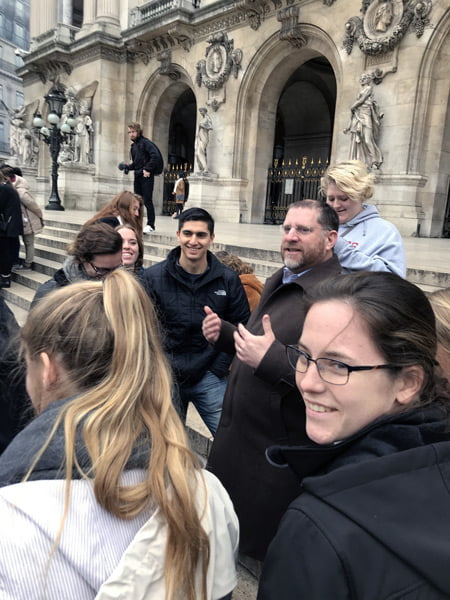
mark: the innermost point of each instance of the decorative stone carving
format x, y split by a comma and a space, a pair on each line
50, 70
364, 126
79, 147
137, 49
183, 35
384, 24
23, 142
145, 50
255, 11
202, 141
221, 60
167, 67
290, 27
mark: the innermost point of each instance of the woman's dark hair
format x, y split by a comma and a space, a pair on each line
398, 315
196, 214
98, 238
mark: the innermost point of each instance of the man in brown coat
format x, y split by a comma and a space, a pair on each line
262, 405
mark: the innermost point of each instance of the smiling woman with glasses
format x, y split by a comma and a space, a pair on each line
375, 479
95, 252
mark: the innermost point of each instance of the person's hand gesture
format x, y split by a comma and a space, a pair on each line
250, 349
211, 325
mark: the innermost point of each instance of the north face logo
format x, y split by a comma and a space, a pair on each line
220, 292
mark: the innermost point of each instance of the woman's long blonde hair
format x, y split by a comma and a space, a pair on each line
105, 335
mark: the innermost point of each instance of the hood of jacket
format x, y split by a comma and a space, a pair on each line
383, 479
368, 213
18, 457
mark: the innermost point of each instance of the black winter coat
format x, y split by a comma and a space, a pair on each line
373, 524
179, 301
144, 156
15, 407
263, 407
10, 212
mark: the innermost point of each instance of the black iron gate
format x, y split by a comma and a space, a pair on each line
171, 174
289, 181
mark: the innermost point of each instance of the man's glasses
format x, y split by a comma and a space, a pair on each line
299, 229
330, 371
101, 272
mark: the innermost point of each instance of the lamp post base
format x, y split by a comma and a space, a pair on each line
54, 206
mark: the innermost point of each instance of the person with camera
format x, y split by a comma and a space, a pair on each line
146, 163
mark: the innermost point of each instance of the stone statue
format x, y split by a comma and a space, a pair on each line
83, 130
23, 143
202, 140
364, 126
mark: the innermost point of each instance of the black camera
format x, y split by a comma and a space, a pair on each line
124, 167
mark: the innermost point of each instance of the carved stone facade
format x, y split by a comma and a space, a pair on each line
277, 78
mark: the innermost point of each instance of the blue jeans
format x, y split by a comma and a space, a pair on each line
207, 397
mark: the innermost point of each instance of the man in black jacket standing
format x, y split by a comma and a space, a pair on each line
146, 163
181, 286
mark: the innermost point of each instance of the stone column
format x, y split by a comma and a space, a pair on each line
89, 11
108, 11
43, 16
65, 9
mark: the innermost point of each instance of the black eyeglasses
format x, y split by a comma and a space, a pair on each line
101, 272
330, 370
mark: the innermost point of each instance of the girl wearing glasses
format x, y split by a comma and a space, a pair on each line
103, 483
373, 516
94, 253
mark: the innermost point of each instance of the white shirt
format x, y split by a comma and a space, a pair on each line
92, 542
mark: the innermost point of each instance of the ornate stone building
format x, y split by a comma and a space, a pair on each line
286, 84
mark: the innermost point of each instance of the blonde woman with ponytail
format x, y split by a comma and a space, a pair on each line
106, 465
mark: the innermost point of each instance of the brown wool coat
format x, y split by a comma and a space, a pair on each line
263, 407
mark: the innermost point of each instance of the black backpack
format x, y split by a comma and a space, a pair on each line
159, 166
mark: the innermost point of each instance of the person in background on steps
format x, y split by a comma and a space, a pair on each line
146, 163
252, 285
32, 217
94, 253
103, 483
179, 193
11, 227
125, 208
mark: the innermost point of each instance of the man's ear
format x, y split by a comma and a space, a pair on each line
332, 237
409, 384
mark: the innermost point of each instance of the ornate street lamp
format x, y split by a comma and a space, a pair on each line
53, 137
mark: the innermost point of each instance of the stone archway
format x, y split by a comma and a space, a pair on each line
266, 77
430, 136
